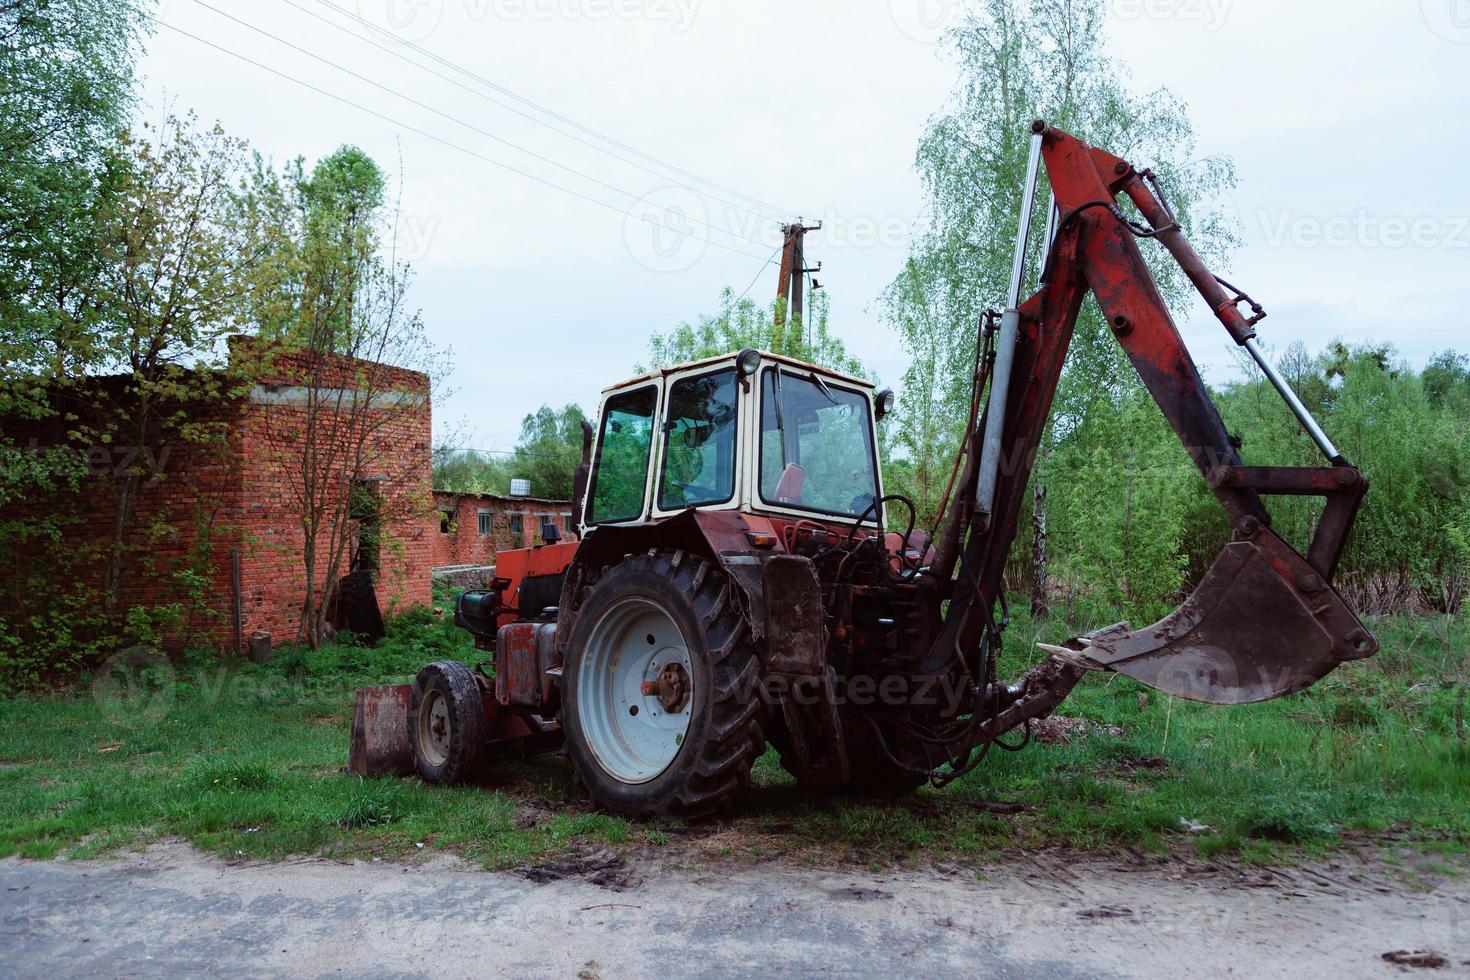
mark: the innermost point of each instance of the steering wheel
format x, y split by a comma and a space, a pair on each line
694, 490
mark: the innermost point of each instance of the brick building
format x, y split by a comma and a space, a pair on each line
217, 529
472, 527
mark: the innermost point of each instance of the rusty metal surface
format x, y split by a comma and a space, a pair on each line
672, 687
795, 633
525, 653
1341, 487
1262, 623
1265, 621
721, 536
379, 745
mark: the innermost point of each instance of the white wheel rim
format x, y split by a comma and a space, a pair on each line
631, 734
434, 725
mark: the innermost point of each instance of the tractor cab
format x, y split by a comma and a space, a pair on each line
752, 432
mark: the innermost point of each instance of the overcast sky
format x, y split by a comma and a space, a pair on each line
1347, 122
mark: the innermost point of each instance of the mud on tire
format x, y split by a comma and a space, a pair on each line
446, 724
713, 762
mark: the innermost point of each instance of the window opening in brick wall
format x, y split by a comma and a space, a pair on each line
366, 509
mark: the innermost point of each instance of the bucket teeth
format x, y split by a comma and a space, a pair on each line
1074, 651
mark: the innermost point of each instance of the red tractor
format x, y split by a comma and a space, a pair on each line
741, 578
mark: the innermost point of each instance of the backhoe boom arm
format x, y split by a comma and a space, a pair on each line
1264, 621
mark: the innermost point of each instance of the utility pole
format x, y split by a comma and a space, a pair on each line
794, 270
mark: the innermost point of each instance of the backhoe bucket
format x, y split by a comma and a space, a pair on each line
1262, 623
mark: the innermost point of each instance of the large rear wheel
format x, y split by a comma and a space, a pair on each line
661, 709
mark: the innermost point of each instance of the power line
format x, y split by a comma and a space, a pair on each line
454, 119
554, 114
388, 49
430, 136
758, 272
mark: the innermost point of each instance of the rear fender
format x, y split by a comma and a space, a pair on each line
726, 538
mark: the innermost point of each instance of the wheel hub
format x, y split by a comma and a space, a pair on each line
635, 690
434, 725
671, 687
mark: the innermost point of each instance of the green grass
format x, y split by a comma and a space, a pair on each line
246, 760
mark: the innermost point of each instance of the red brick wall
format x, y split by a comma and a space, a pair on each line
182, 514
463, 544
244, 493
387, 446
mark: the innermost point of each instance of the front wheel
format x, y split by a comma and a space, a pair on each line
661, 709
446, 724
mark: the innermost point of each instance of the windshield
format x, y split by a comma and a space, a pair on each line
620, 471
816, 445
699, 448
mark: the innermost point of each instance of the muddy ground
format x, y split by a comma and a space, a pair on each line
173, 910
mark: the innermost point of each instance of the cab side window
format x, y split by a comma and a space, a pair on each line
620, 472
699, 448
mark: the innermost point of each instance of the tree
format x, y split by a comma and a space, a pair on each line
333, 312
549, 450
462, 470
66, 69
1020, 59
172, 278
742, 323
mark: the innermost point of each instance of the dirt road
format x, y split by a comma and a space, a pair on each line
173, 910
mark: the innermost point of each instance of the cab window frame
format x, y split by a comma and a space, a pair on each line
655, 390
660, 485
771, 370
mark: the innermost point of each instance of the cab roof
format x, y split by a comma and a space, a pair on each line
782, 359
